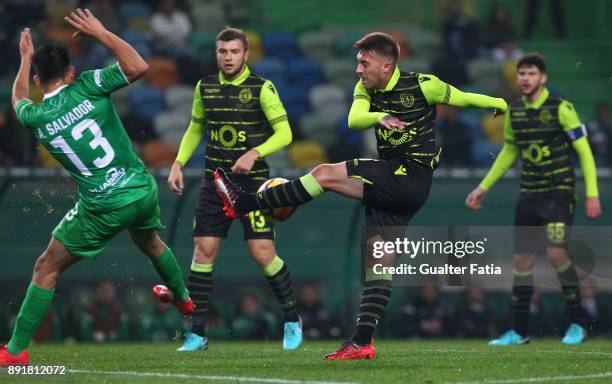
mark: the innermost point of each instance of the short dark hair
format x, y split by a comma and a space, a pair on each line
533, 59
51, 61
229, 34
381, 43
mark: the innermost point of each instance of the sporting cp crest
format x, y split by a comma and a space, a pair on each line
407, 99
245, 95
545, 116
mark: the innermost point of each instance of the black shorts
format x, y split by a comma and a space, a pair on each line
542, 217
210, 220
393, 191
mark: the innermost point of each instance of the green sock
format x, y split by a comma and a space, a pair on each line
34, 307
168, 269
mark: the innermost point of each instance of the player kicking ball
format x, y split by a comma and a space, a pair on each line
401, 107
77, 123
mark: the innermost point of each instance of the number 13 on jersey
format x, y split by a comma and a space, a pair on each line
97, 141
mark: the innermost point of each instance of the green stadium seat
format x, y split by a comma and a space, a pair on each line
423, 43
483, 68
121, 99
179, 98
415, 64
316, 45
208, 16
344, 43
341, 72
325, 95
278, 159
203, 41
320, 128
239, 12
171, 125
5, 94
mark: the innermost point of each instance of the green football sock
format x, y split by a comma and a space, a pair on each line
170, 272
34, 307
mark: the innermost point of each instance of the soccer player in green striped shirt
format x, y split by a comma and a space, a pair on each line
77, 123
242, 120
401, 107
541, 128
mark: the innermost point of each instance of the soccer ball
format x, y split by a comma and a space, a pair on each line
276, 214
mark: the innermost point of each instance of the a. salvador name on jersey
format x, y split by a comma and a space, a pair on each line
69, 118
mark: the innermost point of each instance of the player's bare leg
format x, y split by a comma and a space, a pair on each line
165, 264
334, 177
49, 266
570, 285
275, 269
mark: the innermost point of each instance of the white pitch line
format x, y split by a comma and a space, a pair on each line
580, 352
239, 379
538, 379
603, 353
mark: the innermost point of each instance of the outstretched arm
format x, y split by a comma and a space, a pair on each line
438, 92
132, 64
21, 87
475, 100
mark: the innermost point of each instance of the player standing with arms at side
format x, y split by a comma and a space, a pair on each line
244, 120
541, 128
401, 107
77, 123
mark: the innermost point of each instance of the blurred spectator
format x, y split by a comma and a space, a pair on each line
540, 319
106, 12
317, 321
598, 321
16, 142
555, 10
49, 328
461, 33
159, 322
252, 321
501, 36
600, 134
450, 70
424, 317
216, 326
170, 26
474, 319
456, 138
15, 14
107, 315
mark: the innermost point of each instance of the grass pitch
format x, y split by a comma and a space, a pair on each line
456, 361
